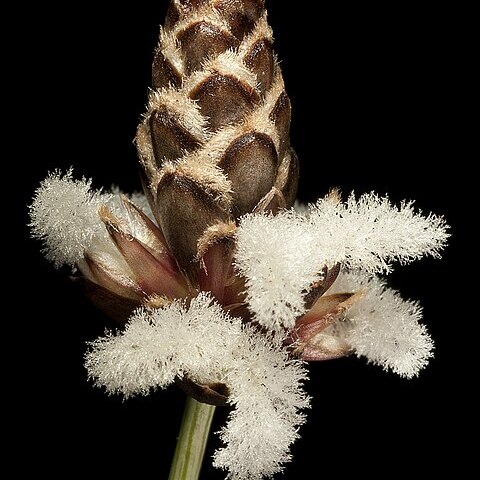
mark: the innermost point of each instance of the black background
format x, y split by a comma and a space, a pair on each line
376, 94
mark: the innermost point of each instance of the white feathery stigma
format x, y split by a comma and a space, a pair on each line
272, 254
370, 232
207, 345
264, 389
64, 217
382, 327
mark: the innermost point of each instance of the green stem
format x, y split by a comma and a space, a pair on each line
191, 442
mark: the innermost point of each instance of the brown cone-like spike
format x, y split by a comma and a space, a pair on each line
218, 104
